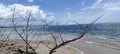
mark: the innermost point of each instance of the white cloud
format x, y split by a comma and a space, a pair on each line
112, 6
109, 5
21, 11
112, 10
97, 3
31, 1
79, 17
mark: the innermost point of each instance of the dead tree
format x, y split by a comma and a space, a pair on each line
81, 34
57, 46
4, 32
24, 35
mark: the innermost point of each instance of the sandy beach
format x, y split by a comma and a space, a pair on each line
96, 46
12, 46
82, 46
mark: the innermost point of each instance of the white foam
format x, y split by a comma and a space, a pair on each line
81, 52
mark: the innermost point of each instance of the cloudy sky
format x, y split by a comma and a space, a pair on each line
65, 11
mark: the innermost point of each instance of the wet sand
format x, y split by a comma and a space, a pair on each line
97, 46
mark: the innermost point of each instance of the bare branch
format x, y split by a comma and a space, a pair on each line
14, 25
74, 39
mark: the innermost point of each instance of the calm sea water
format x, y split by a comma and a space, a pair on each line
109, 31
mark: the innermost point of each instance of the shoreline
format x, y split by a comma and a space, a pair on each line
41, 49
89, 46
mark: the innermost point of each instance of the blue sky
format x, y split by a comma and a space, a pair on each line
66, 11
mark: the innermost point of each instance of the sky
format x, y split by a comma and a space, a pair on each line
61, 11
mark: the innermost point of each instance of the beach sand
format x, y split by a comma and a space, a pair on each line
82, 46
12, 46
96, 46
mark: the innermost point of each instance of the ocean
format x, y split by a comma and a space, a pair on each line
107, 31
